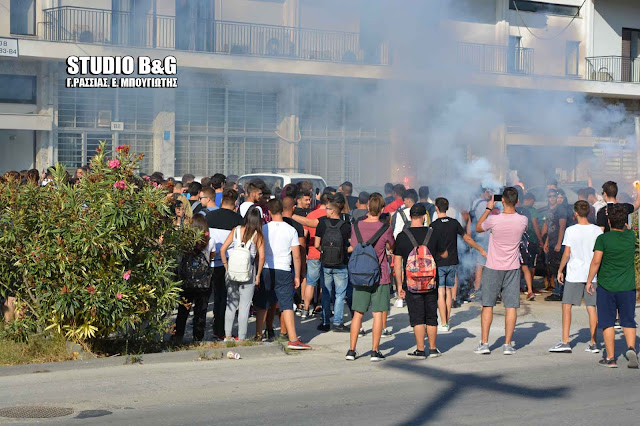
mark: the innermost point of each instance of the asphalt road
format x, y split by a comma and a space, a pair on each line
319, 387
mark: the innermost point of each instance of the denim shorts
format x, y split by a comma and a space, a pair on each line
276, 286
314, 272
610, 303
447, 276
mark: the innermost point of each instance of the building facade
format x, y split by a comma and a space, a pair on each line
290, 84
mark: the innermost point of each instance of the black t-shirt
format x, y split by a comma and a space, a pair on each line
448, 230
345, 230
223, 219
302, 212
404, 246
603, 220
298, 227
553, 217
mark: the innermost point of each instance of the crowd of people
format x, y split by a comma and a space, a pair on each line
298, 252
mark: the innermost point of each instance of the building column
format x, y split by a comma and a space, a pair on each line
588, 13
289, 129
498, 152
164, 132
45, 155
291, 13
502, 22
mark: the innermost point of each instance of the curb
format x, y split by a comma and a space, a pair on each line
246, 352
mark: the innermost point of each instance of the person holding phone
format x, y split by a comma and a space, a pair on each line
501, 274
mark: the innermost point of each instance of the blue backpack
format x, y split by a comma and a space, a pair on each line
364, 268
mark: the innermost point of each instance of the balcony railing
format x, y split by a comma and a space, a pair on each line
488, 58
99, 26
613, 68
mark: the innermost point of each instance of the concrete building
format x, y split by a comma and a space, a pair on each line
285, 84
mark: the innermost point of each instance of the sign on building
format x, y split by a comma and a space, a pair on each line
8, 47
117, 125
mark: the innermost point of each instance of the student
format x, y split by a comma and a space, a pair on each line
195, 273
448, 230
388, 193
610, 194
217, 182
579, 241
254, 195
478, 207
376, 296
398, 199
423, 192
347, 191
288, 205
303, 203
194, 197
613, 262
221, 221
208, 201
332, 239
535, 237
240, 294
501, 274
587, 194
278, 281
361, 207
422, 307
554, 227
400, 219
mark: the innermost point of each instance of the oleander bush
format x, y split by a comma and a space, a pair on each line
90, 261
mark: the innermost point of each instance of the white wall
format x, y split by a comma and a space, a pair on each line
610, 17
330, 15
16, 150
254, 11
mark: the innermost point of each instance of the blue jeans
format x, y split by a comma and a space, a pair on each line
338, 277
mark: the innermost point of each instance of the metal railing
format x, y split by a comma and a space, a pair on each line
613, 68
100, 26
488, 58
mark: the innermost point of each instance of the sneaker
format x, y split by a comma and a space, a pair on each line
611, 363
324, 327
298, 345
531, 296
553, 298
258, 338
417, 355
443, 328
351, 355
304, 313
536, 291
434, 353
284, 337
376, 356
230, 339
299, 312
561, 347
632, 357
482, 349
271, 334
341, 328
386, 333
617, 325
508, 349
593, 348
399, 303
362, 332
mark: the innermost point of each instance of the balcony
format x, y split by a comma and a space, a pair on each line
101, 26
613, 68
488, 58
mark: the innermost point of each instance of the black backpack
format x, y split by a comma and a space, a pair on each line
332, 245
195, 272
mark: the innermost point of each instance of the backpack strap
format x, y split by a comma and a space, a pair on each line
428, 237
411, 237
404, 217
357, 231
337, 225
374, 239
237, 238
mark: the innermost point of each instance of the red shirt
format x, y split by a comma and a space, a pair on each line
394, 205
314, 253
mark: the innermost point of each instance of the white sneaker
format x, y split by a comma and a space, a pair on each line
443, 328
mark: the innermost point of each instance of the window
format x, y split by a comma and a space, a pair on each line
23, 17
18, 89
538, 7
572, 58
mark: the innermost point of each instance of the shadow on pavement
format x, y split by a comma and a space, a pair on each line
460, 382
523, 336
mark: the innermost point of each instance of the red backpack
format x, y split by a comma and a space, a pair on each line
420, 269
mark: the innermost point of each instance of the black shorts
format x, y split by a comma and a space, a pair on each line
276, 286
529, 259
554, 258
423, 308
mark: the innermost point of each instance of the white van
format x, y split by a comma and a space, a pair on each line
277, 181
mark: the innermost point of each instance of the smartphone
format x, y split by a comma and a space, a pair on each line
497, 198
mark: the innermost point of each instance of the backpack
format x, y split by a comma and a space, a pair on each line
420, 269
364, 267
195, 272
240, 263
400, 212
332, 245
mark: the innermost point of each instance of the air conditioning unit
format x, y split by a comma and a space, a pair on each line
104, 118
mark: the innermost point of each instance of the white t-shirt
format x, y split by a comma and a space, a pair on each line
399, 222
279, 238
244, 207
581, 239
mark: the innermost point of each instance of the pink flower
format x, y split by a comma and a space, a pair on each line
114, 164
147, 178
120, 184
122, 149
126, 275
119, 296
155, 184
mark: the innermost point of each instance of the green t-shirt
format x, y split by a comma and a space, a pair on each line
617, 272
531, 213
